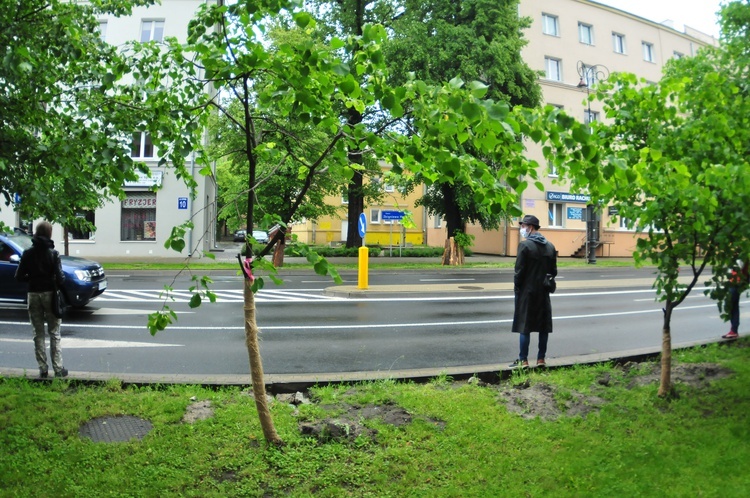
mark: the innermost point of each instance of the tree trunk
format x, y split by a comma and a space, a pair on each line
665, 384
256, 368
278, 253
452, 214
453, 254
355, 190
356, 205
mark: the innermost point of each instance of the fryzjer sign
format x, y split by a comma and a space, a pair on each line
568, 197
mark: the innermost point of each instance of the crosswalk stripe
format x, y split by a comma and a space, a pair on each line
225, 296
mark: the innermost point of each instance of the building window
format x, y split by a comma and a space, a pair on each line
388, 187
345, 197
152, 31
142, 146
678, 55
590, 116
555, 214
553, 68
552, 169
585, 33
624, 223
103, 30
648, 52
437, 222
375, 216
138, 219
79, 233
618, 43
550, 25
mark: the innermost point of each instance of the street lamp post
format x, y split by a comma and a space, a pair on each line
591, 74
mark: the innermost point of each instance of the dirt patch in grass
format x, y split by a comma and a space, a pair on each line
694, 375
547, 402
350, 424
198, 410
550, 403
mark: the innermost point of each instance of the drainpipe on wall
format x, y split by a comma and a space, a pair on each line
424, 218
191, 202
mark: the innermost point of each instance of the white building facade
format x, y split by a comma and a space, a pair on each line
138, 226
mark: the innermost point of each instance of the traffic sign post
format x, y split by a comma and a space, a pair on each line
363, 254
392, 216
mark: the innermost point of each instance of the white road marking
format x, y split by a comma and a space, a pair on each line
222, 296
78, 343
447, 279
176, 327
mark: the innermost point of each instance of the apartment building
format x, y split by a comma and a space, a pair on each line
575, 43
139, 225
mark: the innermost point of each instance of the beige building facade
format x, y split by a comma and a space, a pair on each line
575, 42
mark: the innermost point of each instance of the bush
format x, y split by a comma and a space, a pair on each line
330, 252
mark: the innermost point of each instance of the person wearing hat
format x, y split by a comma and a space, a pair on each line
536, 259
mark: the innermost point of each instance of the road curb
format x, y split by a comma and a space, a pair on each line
286, 383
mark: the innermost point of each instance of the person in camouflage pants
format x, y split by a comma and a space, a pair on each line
40, 266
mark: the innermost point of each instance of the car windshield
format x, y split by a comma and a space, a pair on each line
22, 241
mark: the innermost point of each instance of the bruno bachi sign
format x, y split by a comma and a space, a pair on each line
568, 197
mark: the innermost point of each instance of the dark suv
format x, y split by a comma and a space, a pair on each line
84, 279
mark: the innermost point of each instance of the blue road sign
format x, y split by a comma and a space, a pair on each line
362, 225
392, 215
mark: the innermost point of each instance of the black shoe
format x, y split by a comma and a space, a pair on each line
62, 373
519, 363
43, 373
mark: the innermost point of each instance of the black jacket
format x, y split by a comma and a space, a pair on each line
533, 311
40, 266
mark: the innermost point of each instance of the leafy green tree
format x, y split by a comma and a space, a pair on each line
66, 118
278, 183
673, 159
298, 86
353, 18
476, 40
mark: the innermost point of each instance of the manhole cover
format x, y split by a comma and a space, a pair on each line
470, 287
115, 429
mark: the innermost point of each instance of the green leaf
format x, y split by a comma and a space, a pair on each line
471, 110
302, 19
478, 89
195, 301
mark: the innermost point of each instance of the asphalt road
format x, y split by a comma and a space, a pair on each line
409, 321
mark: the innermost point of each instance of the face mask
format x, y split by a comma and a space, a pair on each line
524, 232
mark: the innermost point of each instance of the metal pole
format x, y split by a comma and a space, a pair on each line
591, 73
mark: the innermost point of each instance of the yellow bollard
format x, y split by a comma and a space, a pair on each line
363, 255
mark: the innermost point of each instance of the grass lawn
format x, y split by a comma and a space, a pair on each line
605, 433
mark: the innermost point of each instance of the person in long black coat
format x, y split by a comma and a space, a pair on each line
533, 311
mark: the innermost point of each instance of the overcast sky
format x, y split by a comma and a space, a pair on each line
698, 14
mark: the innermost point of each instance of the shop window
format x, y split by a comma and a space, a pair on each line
138, 219
81, 233
556, 214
